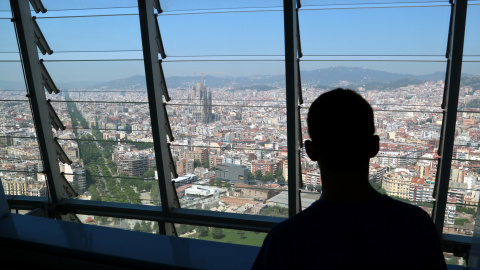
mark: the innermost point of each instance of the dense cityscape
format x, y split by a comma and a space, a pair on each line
230, 150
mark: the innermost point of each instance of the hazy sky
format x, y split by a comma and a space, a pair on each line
259, 35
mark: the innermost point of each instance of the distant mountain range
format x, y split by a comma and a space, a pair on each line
326, 77
323, 78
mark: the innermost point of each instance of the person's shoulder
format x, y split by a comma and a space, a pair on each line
302, 218
404, 208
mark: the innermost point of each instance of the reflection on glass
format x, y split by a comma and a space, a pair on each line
121, 223
221, 235
454, 260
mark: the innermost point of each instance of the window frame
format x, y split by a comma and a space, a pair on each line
58, 205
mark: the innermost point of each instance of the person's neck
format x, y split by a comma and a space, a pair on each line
347, 187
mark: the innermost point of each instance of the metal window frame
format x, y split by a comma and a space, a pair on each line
170, 212
159, 119
27, 32
292, 78
450, 105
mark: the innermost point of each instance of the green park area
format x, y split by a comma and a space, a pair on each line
222, 235
239, 237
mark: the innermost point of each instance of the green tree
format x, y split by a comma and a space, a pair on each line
150, 173
258, 174
274, 211
281, 179
278, 173
470, 211
211, 182
182, 229
310, 187
206, 165
251, 176
241, 234
76, 187
268, 177
378, 187
217, 233
318, 188
218, 183
202, 231
461, 221
197, 163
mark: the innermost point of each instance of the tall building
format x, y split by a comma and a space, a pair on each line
14, 187
200, 100
134, 165
185, 166
79, 176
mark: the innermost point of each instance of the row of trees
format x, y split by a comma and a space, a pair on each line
77, 119
268, 176
96, 153
140, 145
197, 163
219, 183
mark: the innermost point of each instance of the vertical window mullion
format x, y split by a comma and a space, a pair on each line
37, 79
452, 89
292, 96
156, 87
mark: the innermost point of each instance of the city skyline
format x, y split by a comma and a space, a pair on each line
192, 80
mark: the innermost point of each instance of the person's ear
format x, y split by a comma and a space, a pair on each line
311, 150
375, 146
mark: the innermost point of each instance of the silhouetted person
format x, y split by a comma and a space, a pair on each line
351, 226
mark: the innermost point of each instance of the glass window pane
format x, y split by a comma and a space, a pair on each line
74, 35
234, 159
193, 5
355, 3
472, 37
20, 162
463, 195
114, 151
407, 118
223, 33
375, 31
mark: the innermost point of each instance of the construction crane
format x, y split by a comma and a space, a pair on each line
203, 82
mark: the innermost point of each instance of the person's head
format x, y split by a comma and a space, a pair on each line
341, 127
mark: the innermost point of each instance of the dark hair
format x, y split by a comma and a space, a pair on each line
341, 124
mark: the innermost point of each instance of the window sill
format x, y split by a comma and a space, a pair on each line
95, 245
